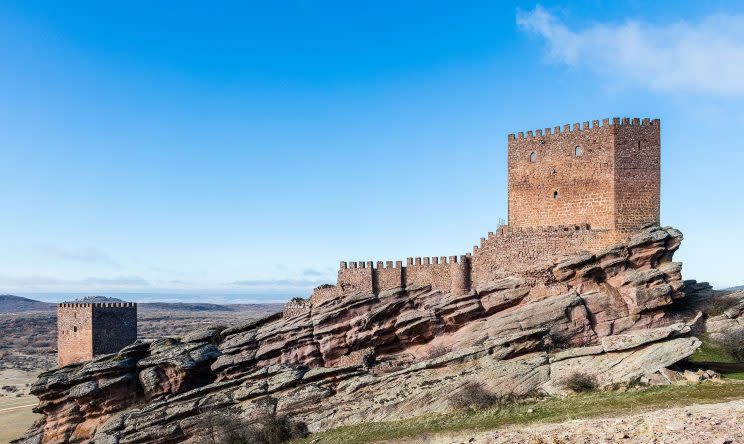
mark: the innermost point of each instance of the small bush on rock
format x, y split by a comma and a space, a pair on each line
554, 343
225, 428
475, 396
580, 382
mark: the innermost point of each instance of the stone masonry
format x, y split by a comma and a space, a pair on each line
580, 188
605, 175
86, 330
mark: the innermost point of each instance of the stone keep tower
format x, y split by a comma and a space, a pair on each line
604, 175
85, 330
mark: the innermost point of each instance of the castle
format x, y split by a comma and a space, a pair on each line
574, 189
88, 329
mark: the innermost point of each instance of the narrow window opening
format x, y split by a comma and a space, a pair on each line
533, 157
555, 195
578, 151
639, 144
74, 329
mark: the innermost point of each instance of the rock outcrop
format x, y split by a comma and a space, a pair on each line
366, 357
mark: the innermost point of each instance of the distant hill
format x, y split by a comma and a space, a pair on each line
269, 307
89, 299
14, 304
18, 304
737, 288
183, 306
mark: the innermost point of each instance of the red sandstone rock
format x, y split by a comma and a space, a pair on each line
396, 353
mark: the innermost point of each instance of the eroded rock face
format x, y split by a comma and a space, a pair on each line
365, 357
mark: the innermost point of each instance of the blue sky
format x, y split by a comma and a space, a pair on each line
240, 151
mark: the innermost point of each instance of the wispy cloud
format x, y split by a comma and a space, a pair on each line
89, 255
704, 57
33, 282
288, 284
315, 273
116, 281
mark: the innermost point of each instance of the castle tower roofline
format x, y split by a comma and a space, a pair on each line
583, 126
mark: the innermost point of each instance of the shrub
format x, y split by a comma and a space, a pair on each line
580, 382
475, 396
278, 429
732, 342
553, 343
226, 428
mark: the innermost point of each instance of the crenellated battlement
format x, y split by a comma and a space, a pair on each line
96, 304
583, 126
396, 265
369, 264
296, 307
443, 273
507, 231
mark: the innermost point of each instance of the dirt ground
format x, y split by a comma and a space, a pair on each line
695, 424
15, 403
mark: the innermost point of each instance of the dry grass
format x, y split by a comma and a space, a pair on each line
15, 411
585, 405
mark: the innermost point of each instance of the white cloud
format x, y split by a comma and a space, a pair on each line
35, 282
312, 272
704, 57
277, 284
88, 255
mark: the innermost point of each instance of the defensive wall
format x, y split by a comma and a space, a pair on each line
88, 329
519, 250
504, 252
296, 307
442, 273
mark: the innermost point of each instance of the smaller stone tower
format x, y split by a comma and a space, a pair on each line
87, 329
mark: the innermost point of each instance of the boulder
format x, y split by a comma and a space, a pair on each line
640, 337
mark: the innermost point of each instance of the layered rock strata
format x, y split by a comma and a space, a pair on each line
402, 352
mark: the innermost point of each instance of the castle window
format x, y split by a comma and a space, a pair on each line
555, 195
533, 157
578, 151
74, 329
